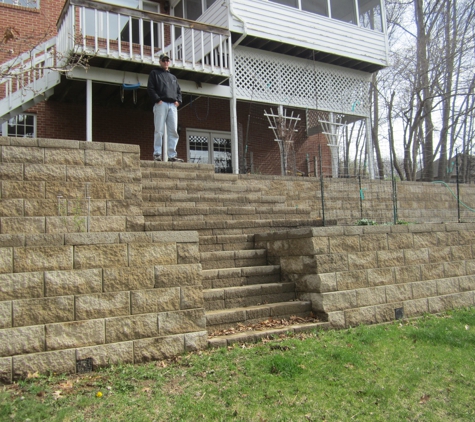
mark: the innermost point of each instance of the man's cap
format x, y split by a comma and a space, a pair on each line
164, 56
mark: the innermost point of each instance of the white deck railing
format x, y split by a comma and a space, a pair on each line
105, 30
27, 75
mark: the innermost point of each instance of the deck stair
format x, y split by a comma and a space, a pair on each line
240, 287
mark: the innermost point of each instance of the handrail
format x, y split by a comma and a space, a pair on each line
36, 55
99, 29
141, 14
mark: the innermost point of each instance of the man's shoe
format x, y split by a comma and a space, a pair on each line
175, 160
157, 158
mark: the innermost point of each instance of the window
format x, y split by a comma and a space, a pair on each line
33, 4
370, 14
320, 7
21, 126
191, 9
343, 10
291, 3
369, 11
210, 147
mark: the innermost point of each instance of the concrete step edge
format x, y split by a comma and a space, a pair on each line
255, 336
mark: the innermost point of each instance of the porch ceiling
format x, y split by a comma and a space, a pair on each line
73, 91
305, 53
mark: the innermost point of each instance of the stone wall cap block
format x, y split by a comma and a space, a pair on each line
23, 142
99, 146
135, 237
275, 235
420, 228
400, 228
91, 238
458, 227
109, 146
300, 233
353, 230
58, 143
328, 231
5, 140
376, 229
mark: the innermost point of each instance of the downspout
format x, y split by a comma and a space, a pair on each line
232, 85
244, 34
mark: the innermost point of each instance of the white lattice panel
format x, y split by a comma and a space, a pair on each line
278, 79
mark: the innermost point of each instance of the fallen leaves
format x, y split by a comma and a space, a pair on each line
424, 399
58, 394
264, 325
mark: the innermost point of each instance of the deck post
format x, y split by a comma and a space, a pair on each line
89, 110
233, 112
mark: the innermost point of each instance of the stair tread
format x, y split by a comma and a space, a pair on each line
255, 335
298, 302
250, 286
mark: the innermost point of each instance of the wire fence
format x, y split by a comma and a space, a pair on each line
359, 200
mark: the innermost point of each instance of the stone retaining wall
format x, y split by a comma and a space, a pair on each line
57, 186
366, 275
111, 297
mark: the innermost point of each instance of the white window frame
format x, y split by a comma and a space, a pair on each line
31, 4
210, 134
8, 123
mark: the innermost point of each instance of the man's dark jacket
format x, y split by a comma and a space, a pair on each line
163, 86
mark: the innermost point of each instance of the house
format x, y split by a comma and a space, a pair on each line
238, 62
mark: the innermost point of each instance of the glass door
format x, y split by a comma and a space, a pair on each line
210, 147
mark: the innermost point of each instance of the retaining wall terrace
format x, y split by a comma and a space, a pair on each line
366, 275
79, 278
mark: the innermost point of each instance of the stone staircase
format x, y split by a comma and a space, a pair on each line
240, 286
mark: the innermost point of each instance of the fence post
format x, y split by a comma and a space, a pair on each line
361, 197
394, 188
322, 190
458, 186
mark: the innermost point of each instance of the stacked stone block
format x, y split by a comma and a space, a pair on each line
362, 275
51, 186
112, 297
77, 285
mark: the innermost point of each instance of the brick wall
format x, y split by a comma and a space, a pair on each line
31, 26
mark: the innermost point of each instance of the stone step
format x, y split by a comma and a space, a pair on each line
193, 199
241, 226
226, 242
225, 318
255, 336
174, 184
233, 259
236, 212
233, 277
156, 166
250, 295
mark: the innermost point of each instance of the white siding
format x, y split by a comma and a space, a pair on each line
273, 21
217, 14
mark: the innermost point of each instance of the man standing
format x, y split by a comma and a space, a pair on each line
165, 93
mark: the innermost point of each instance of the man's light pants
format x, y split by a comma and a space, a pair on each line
165, 115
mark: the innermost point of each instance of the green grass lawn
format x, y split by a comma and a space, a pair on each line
419, 370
